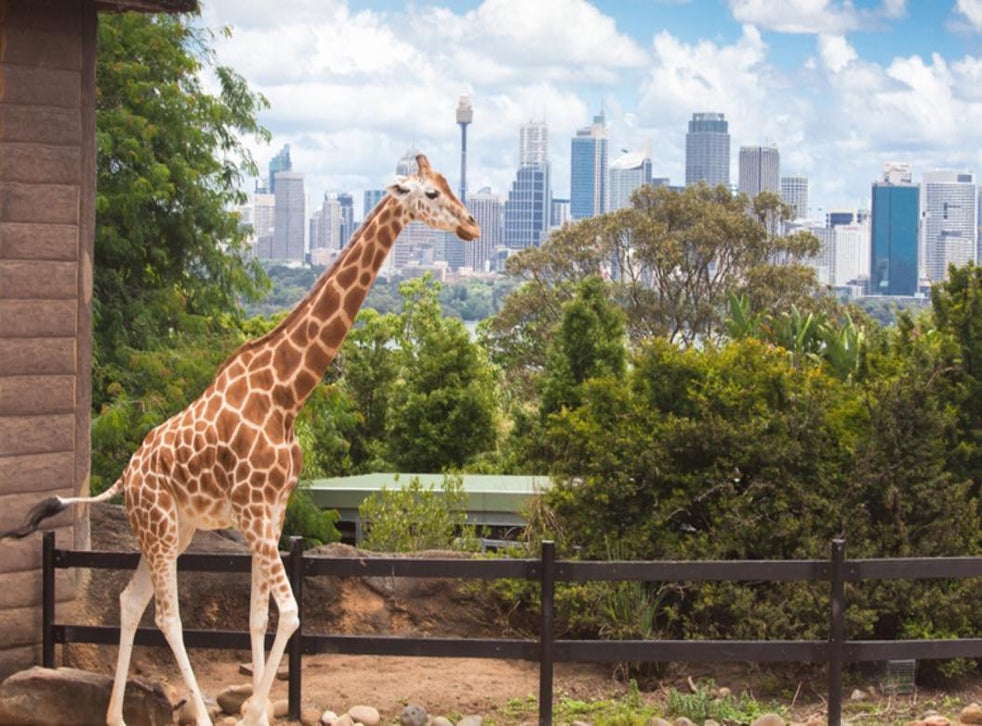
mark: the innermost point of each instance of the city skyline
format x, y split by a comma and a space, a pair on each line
839, 87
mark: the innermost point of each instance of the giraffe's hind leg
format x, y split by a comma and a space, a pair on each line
132, 602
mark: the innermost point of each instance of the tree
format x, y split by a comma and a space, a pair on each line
170, 159
443, 408
673, 258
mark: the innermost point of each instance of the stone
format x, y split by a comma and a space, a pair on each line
972, 713
268, 710
937, 720
344, 720
658, 721
69, 695
470, 721
365, 715
683, 721
281, 707
186, 714
857, 695
441, 721
232, 698
768, 719
724, 692
413, 715
710, 722
310, 716
328, 717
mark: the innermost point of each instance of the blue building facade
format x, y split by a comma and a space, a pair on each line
527, 208
894, 239
588, 170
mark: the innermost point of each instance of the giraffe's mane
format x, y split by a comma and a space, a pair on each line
300, 307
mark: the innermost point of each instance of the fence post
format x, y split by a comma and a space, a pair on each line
48, 599
546, 632
837, 630
295, 646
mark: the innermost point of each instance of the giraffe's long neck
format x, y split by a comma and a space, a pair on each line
308, 339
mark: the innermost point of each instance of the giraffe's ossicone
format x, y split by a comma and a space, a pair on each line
230, 459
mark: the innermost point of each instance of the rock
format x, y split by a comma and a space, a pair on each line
937, 721
344, 720
186, 714
232, 698
72, 696
470, 721
310, 716
248, 703
281, 708
441, 721
658, 721
365, 715
683, 721
710, 722
972, 713
768, 719
328, 718
857, 695
413, 715
724, 692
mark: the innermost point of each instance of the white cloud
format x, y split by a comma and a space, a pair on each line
797, 16
835, 52
972, 12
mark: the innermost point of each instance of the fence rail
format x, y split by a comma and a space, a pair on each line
835, 652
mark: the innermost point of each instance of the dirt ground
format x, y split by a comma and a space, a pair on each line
502, 691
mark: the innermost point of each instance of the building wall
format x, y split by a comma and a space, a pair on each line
47, 208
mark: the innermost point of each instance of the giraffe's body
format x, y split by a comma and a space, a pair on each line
230, 459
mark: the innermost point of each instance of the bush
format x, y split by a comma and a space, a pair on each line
413, 518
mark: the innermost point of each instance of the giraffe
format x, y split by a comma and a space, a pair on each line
230, 459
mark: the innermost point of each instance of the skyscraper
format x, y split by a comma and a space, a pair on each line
280, 162
465, 115
347, 203
627, 173
894, 234
760, 170
950, 214
488, 210
288, 217
529, 202
707, 150
533, 143
588, 170
794, 193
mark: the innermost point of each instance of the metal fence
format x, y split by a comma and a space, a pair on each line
835, 652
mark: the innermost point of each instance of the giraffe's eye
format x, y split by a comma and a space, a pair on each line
432, 193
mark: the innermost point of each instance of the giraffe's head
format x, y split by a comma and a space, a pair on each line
427, 197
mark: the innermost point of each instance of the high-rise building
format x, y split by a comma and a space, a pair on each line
760, 170
950, 221
347, 203
280, 162
627, 173
794, 193
588, 170
528, 207
371, 199
707, 150
851, 259
489, 211
325, 225
894, 233
288, 217
533, 143
465, 115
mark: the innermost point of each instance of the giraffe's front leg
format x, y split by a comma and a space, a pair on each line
258, 620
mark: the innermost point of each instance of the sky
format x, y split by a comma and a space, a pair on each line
838, 86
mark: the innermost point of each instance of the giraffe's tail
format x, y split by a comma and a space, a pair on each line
54, 505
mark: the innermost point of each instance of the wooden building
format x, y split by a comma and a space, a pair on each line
47, 224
